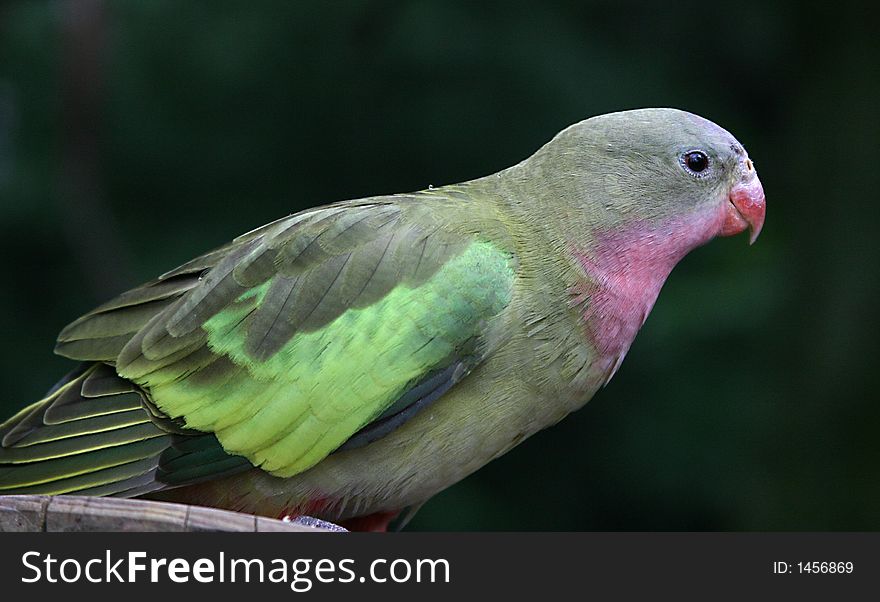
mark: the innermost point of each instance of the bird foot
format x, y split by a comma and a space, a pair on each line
312, 522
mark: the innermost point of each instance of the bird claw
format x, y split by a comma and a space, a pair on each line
312, 522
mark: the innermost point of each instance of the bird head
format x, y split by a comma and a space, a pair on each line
655, 171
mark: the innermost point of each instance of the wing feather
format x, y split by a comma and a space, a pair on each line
332, 325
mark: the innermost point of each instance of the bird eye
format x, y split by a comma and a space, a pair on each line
695, 161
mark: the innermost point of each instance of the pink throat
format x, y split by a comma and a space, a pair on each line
625, 270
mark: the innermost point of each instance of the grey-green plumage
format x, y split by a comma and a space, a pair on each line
354, 359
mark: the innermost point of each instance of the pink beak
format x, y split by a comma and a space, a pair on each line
746, 208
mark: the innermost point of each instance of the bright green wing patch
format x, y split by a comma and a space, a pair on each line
287, 412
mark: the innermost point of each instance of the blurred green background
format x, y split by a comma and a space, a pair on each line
135, 135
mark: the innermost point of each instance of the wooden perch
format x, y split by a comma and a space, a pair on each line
81, 513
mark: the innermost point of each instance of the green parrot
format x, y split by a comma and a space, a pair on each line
350, 361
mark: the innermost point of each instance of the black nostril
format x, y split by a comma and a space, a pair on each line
749, 165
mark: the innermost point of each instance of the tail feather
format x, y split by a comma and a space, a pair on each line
91, 431
97, 433
112, 477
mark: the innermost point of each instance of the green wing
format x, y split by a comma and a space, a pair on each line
323, 330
